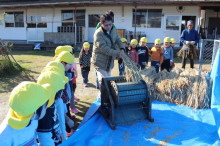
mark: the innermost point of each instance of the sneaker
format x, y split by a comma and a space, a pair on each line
74, 110
85, 85
76, 98
68, 134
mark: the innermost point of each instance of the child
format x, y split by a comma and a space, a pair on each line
66, 58
172, 44
167, 55
156, 55
133, 51
84, 61
47, 133
121, 65
143, 53
28, 104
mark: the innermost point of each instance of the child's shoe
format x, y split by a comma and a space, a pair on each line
76, 98
74, 110
68, 134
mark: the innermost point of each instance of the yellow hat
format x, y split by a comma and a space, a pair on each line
24, 100
173, 40
124, 40
143, 39
86, 45
166, 39
55, 80
56, 64
60, 49
58, 70
65, 57
157, 41
134, 41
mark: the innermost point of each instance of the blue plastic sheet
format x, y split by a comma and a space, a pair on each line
173, 125
215, 101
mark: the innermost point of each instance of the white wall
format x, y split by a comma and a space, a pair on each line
12, 33
121, 22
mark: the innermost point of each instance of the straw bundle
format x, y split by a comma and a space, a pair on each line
131, 71
183, 87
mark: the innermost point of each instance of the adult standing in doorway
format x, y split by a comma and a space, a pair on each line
189, 37
104, 47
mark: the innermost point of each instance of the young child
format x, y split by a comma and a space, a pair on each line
84, 61
172, 44
167, 55
28, 104
133, 51
73, 86
143, 53
66, 58
121, 65
46, 126
156, 54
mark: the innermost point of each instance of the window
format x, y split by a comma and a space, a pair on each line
37, 22
67, 17
140, 18
154, 18
14, 19
80, 17
147, 17
94, 19
172, 22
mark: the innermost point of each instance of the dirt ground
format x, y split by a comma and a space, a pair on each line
86, 94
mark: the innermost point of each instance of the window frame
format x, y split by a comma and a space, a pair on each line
14, 22
94, 25
36, 22
146, 18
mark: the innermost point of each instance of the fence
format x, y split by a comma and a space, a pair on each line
208, 49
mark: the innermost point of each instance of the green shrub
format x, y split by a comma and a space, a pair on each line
8, 68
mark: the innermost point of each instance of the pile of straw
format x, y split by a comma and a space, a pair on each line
182, 87
131, 70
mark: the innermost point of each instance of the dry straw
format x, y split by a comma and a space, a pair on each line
182, 87
131, 70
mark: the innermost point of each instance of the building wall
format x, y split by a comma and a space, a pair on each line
122, 21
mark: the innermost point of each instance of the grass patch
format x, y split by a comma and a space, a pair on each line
8, 68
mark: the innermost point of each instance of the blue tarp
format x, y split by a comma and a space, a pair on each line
173, 124
215, 101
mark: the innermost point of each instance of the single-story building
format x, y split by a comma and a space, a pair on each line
57, 21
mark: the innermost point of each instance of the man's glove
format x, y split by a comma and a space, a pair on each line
187, 42
192, 42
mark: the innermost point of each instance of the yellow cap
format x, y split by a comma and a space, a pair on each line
60, 49
65, 57
86, 45
56, 64
166, 39
157, 41
134, 41
55, 80
143, 39
173, 40
24, 100
124, 40
58, 70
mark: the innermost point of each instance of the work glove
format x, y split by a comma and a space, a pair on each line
192, 42
187, 42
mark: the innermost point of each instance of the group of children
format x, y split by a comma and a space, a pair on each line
161, 56
44, 110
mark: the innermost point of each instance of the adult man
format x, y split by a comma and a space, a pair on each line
104, 47
189, 37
